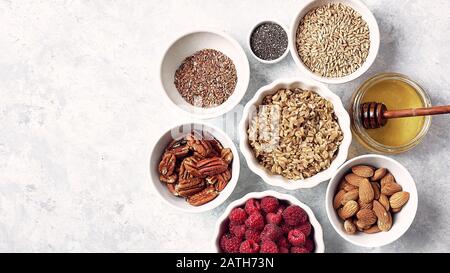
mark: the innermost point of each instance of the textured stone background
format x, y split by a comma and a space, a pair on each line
80, 108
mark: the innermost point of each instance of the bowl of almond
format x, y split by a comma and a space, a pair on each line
371, 200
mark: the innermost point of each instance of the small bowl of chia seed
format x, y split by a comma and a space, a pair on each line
269, 42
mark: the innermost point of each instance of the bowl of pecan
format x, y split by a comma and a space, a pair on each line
268, 222
295, 133
204, 73
194, 167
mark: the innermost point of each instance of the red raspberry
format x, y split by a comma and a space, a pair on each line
238, 216
273, 218
238, 230
283, 242
249, 246
296, 237
285, 228
255, 221
294, 215
298, 249
309, 245
268, 247
253, 235
271, 232
283, 250
305, 228
252, 206
280, 210
269, 204
230, 243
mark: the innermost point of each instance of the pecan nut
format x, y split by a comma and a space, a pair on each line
188, 167
181, 151
169, 179
172, 190
178, 147
223, 180
200, 147
183, 173
211, 166
227, 155
203, 197
188, 187
212, 180
167, 164
216, 147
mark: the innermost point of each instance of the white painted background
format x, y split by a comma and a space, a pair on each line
80, 107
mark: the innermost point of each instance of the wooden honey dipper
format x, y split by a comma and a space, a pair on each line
375, 115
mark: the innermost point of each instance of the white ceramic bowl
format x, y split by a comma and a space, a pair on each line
402, 219
278, 180
250, 47
161, 188
367, 15
188, 44
221, 223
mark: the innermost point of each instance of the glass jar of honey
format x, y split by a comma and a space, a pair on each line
396, 91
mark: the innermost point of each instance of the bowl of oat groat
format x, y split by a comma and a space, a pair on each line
295, 133
334, 41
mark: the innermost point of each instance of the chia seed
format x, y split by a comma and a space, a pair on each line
206, 79
268, 41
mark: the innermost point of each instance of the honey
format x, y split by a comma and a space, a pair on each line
395, 94
396, 91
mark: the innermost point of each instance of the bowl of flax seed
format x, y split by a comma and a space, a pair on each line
204, 73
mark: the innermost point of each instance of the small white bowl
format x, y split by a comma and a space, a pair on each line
158, 150
366, 14
250, 46
221, 223
188, 44
278, 180
402, 219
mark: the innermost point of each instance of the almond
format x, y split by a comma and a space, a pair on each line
353, 179
363, 171
385, 225
384, 217
396, 210
355, 222
367, 217
384, 201
351, 195
388, 178
366, 193
349, 227
399, 199
348, 210
376, 190
337, 202
379, 173
361, 225
349, 187
363, 205
390, 188
373, 229
342, 184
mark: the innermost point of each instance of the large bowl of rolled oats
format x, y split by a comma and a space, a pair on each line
295, 133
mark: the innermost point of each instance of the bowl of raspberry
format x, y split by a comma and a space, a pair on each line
268, 222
